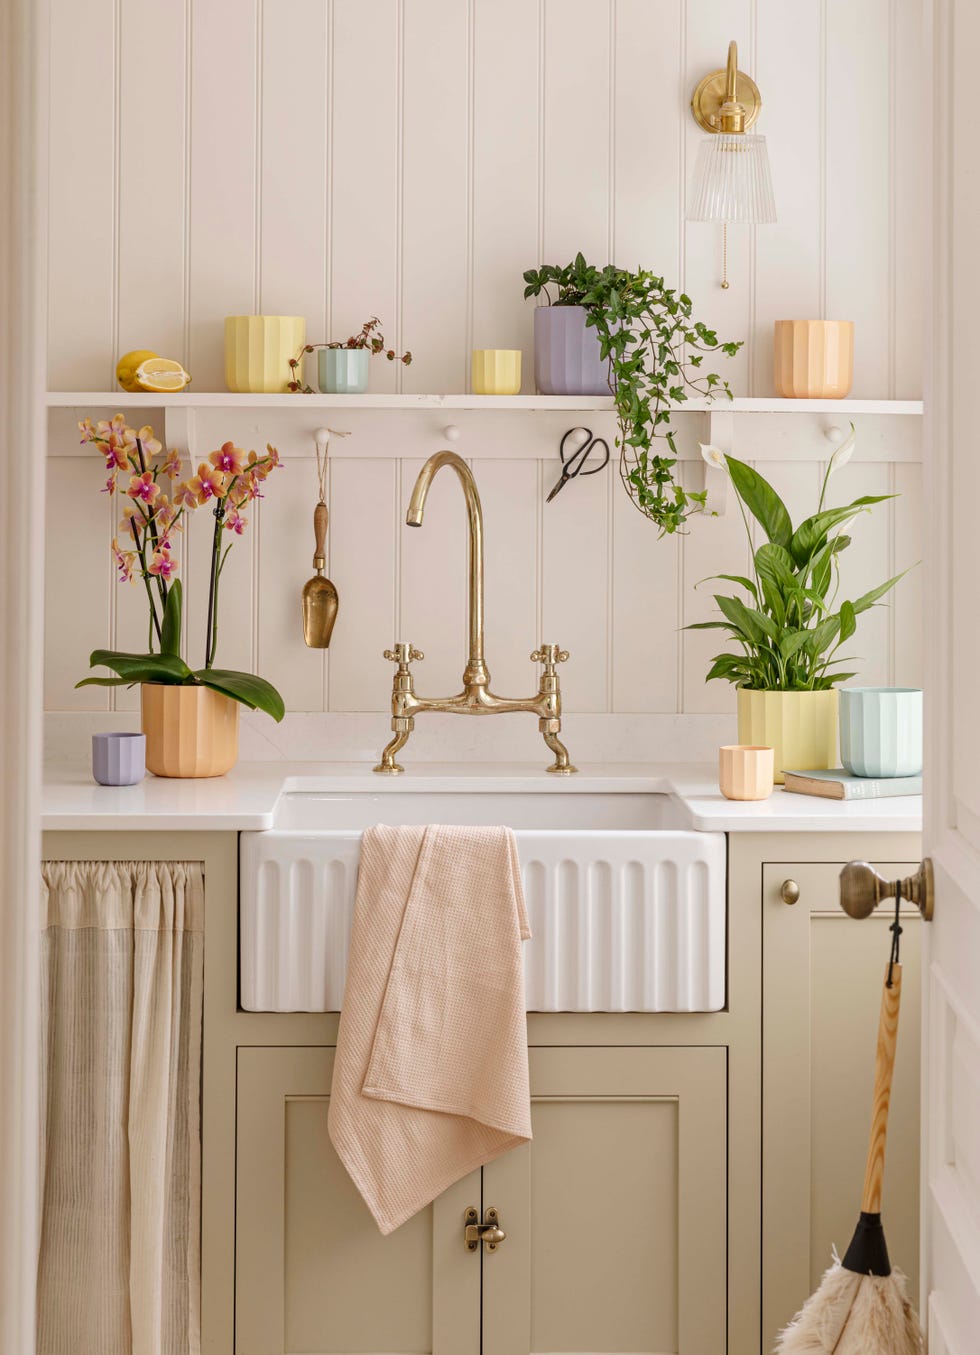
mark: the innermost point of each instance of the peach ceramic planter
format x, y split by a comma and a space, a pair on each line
745, 771
258, 349
814, 359
800, 726
496, 371
190, 731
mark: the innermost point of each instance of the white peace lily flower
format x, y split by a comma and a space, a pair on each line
713, 455
843, 453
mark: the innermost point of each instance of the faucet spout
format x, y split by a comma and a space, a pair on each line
476, 674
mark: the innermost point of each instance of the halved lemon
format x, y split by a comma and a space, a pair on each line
127, 365
161, 374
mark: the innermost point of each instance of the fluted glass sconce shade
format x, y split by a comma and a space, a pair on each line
732, 183
732, 180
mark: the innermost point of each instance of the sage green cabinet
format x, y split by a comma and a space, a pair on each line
615, 1218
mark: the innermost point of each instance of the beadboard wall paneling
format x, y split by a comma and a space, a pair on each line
586, 570
337, 159
409, 158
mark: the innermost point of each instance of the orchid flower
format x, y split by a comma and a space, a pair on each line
110, 484
163, 565
151, 445
166, 514
127, 523
207, 484
142, 488
125, 562
234, 522
184, 496
171, 466
228, 459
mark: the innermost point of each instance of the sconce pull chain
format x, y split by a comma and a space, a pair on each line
724, 256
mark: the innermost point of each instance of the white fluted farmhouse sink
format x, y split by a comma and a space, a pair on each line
627, 907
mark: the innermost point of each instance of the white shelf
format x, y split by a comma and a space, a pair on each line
227, 400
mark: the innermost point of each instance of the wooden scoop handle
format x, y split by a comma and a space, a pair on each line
884, 1067
320, 532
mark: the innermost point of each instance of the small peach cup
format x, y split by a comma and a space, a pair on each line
745, 771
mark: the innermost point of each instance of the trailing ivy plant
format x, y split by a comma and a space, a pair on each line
655, 350
789, 626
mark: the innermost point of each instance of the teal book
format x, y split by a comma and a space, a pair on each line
836, 784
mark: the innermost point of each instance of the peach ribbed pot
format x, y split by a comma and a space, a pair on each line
800, 726
745, 771
190, 731
813, 359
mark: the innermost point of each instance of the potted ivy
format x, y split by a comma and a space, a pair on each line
344, 365
643, 338
189, 716
787, 623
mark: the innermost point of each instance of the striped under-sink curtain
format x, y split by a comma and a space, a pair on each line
119, 1261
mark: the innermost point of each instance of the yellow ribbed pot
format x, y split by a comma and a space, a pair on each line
496, 371
258, 349
800, 726
190, 731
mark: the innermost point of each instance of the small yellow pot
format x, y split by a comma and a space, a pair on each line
258, 349
190, 731
813, 359
801, 728
496, 371
745, 772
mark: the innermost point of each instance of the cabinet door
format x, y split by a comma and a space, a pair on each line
616, 1213
312, 1271
822, 977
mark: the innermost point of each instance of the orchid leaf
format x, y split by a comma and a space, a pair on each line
246, 688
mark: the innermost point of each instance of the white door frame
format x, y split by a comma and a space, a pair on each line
23, 176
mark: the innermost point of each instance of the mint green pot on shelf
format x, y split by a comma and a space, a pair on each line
343, 371
881, 731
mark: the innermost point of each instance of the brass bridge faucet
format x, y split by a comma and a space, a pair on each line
476, 697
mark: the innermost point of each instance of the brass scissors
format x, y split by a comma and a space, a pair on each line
574, 459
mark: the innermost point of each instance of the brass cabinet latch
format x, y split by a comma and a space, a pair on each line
489, 1232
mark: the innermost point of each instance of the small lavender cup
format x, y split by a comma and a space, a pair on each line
118, 759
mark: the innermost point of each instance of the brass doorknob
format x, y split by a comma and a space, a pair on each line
790, 892
862, 889
488, 1232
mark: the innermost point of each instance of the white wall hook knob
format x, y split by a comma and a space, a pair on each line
322, 437
833, 433
451, 432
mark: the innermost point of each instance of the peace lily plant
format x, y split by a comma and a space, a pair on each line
157, 504
788, 623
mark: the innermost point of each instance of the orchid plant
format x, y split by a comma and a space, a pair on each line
157, 504
789, 626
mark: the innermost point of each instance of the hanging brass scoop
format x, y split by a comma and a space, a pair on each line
320, 599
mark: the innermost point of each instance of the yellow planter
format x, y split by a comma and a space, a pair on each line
258, 349
496, 371
813, 359
190, 731
800, 726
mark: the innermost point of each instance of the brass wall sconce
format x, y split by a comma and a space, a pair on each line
732, 182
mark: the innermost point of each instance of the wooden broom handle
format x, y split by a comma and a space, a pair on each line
874, 1171
320, 533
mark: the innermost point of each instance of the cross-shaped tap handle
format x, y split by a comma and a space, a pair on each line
403, 654
549, 655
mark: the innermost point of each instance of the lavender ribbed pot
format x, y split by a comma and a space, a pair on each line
881, 731
566, 353
118, 759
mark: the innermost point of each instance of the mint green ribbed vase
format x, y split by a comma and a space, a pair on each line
881, 731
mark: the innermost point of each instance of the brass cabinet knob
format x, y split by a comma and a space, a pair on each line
789, 892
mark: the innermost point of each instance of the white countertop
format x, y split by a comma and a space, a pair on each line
246, 798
